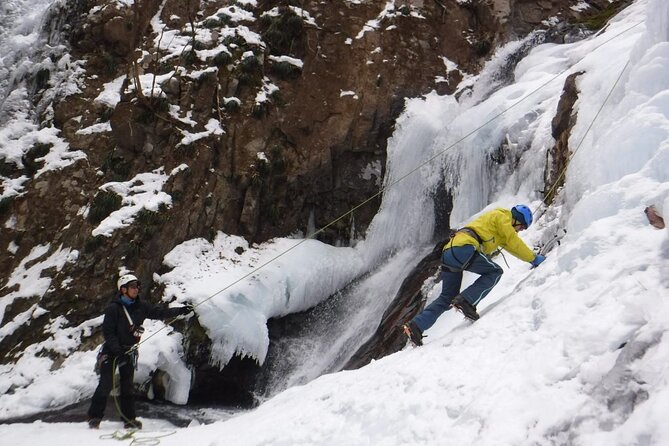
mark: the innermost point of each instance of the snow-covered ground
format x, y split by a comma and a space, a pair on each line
571, 353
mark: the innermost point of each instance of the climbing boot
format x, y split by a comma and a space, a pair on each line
132, 424
467, 309
414, 334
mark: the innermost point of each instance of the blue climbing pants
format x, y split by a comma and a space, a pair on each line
458, 259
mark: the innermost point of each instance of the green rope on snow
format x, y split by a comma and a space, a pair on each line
149, 440
117, 435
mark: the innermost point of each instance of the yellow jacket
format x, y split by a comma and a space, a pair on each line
495, 230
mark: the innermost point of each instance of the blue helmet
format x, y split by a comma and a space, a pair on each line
522, 214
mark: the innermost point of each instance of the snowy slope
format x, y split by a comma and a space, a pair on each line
572, 353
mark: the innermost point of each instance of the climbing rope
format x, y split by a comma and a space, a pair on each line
150, 440
414, 170
115, 386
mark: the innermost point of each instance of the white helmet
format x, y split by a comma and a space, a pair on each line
126, 279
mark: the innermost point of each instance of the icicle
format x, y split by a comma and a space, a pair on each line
311, 225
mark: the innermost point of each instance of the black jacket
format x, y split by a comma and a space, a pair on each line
116, 328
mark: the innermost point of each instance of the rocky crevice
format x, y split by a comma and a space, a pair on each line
557, 157
408, 302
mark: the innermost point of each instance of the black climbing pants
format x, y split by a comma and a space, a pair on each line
127, 402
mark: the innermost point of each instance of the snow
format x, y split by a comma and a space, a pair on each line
31, 385
291, 60
13, 247
234, 311
172, 43
95, 128
304, 14
11, 222
449, 64
235, 14
232, 99
143, 192
212, 128
580, 6
150, 84
388, 11
245, 33
13, 187
28, 280
372, 170
111, 93
267, 89
551, 21
163, 350
573, 352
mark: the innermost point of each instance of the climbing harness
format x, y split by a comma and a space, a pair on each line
472, 233
466, 263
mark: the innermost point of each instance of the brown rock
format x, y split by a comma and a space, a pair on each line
119, 33
561, 127
126, 129
654, 218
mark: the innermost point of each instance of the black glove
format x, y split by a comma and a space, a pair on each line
186, 309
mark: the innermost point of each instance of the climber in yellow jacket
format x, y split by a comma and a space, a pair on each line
469, 250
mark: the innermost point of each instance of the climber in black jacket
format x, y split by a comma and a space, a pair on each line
122, 330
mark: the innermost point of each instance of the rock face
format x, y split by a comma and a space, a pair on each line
561, 126
280, 110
